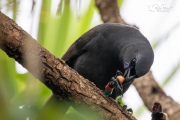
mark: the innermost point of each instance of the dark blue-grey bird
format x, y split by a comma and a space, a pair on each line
106, 48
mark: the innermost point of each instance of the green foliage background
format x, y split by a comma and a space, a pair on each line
21, 95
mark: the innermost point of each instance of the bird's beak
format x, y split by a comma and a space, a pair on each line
128, 77
122, 87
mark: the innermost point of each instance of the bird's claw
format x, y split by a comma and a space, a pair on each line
124, 107
118, 73
129, 109
118, 86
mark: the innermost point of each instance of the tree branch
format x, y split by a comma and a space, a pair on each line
150, 92
109, 11
147, 87
65, 82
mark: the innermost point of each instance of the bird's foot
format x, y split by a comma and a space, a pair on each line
129, 109
119, 101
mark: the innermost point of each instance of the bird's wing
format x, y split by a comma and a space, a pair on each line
76, 48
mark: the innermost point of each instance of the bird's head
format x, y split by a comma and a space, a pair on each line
136, 61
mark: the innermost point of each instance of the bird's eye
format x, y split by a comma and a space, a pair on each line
126, 65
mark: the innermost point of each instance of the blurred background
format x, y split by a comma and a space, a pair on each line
56, 24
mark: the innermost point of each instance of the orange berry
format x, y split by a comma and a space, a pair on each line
120, 78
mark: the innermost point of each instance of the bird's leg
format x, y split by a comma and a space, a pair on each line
110, 86
119, 80
120, 86
118, 73
116, 82
129, 109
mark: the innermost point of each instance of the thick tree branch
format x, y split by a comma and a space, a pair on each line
150, 92
65, 82
109, 11
147, 87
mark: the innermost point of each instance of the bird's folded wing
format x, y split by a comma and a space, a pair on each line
76, 48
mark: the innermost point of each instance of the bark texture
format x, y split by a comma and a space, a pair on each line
109, 11
147, 87
65, 82
150, 92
